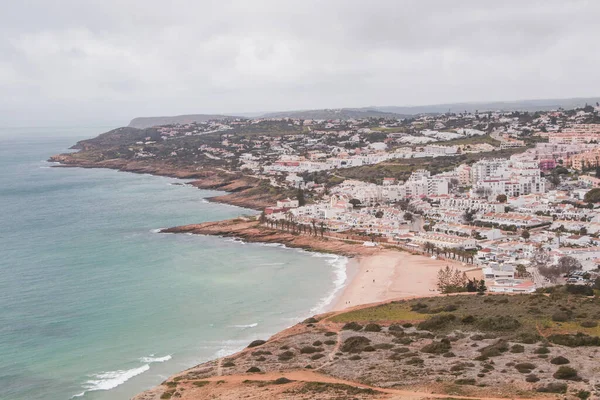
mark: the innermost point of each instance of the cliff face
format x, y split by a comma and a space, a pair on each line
244, 191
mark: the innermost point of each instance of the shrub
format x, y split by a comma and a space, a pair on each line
352, 326
407, 325
395, 328
465, 381
450, 308
419, 307
436, 322
499, 323
541, 350
253, 369
532, 378
329, 342
560, 360
317, 343
355, 344
317, 356
282, 381
310, 320
401, 350
560, 316
372, 328
284, 347
469, 319
228, 364
261, 353
330, 333
310, 350
525, 367
494, 350
402, 340
566, 373
383, 346
517, 348
355, 358
436, 347
449, 354
577, 340
257, 343
553, 387
580, 289
415, 361
589, 324
261, 359
583, 394
528, 338
286, 356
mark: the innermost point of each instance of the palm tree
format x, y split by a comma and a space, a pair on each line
322, 226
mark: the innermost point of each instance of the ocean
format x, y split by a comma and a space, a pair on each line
95, 304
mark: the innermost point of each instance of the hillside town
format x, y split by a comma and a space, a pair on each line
508, 192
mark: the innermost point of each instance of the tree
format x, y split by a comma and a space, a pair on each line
263, 217
521, 270
355, 202
593, 196
408, 216
501, 198
451, 280
568, 264
481, 288
379, 214
468, 216
300, 197
525, 234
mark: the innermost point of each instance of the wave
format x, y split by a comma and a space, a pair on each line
156, 230
111, 379
205, 201
339, 265
235, 240
254, 325
271, 264
152, 359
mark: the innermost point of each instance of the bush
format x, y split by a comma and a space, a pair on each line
449, 354
261, 353
465, 381
577, 340
580, 289
436, 322
372, 328
317, 343
528, 338
395, 328
560, 316
282, 381
583, 394
352, 326
493, 350
407, 325
317, 356
525, 368
566, 373
589, 324
517, 348
469, 319
532, 378
553, 387
436, 347
253, 369
355, 358
261, 359
257, 343
415, 361
499, 323
355, 344
286, 356
228, 364
310, 350
541, 350
310, 320
330, 334
383, 346
329, 342
560, 360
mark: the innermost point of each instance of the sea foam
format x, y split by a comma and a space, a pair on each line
111, 379
339, 265
152, 359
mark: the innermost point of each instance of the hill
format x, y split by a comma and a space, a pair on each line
148, 122
338, 113
518, 105
494, 346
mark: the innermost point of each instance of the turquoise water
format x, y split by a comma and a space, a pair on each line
94, 303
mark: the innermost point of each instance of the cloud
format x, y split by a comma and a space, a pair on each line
70, 60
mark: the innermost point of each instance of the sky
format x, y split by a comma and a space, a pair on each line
68, 62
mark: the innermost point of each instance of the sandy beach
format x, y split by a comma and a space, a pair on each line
390, 274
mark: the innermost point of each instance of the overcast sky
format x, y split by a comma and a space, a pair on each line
84, 61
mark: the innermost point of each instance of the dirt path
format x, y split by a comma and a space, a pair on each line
312, 376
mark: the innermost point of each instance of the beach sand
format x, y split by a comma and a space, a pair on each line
389, 275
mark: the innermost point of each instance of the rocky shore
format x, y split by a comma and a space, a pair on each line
251, 231
243, 191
